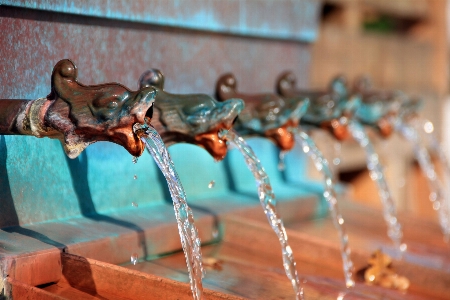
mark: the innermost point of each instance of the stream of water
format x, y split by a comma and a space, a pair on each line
377, 174
268, 202
321, 164
438, 195
185, 219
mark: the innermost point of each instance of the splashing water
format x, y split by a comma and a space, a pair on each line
438, 149
310, 149
377, 174
134, 204
211, 184
188, 232
267, 199
135, 159
134, 258
438, 193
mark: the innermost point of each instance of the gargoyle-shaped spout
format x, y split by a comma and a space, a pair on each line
378, 106
266, 114
329, 109
79, 115
190, 118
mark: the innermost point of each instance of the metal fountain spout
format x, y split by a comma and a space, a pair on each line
190, 118
379, 106
79, 115
330, 109
266, 115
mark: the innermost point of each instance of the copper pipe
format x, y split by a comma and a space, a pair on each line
79, 115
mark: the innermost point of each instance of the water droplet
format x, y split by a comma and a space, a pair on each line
403, 247
134, 258
336, 161
135, 159
305, 149
337, 146
211, 184
428, 127
349, 283
215, 233
433, 197
134, 204
436, 205
373, 175
341, 221
135, 177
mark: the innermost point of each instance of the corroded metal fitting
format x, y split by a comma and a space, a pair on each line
190, 118
329, 109
79, 115
266, 115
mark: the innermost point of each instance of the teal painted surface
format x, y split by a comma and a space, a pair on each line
111, 180
196, 168
37, 185
244, 182
283, 19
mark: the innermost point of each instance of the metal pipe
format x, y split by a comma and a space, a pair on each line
329, 109
79, 115
266, 114
190, 118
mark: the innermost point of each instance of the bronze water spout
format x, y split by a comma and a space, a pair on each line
266, 115
329, 109
190, 118
79, 115
378, 106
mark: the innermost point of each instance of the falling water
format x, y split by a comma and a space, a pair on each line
134, 258
211, 184
438, 192
281, 165
310, 148
377, 175
185, 219
267, 199
337, 153
439, 151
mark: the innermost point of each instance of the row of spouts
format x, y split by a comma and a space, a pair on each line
79, 115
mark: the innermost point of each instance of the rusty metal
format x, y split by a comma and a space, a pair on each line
79, 115
190, 118
266, 115
378, 106
329, 109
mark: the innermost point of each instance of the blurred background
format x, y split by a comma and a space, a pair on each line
400, 45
